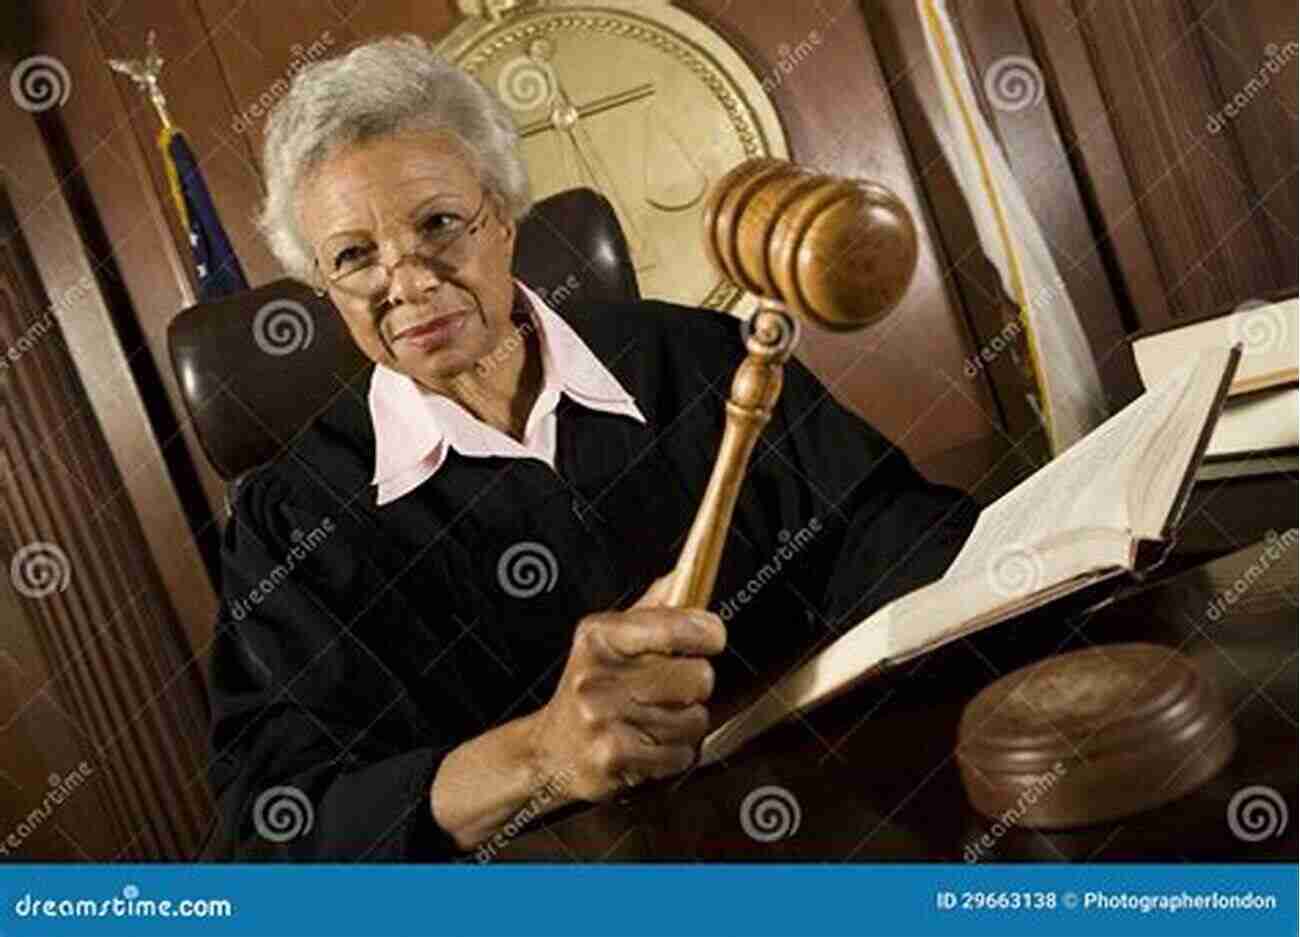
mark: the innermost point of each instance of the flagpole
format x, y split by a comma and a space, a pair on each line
217, 269
144, 72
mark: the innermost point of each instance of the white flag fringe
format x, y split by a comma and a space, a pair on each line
1073, 402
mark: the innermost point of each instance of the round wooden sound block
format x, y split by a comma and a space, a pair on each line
1091, 736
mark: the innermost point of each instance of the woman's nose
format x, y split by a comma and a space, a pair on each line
409, 279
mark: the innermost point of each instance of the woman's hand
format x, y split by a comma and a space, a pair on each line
630, 704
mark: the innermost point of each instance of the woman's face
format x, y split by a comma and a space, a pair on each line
381, 200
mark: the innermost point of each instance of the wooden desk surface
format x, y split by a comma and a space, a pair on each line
874, 775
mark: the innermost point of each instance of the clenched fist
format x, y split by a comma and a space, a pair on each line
630, 704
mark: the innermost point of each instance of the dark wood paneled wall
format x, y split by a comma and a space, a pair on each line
994, 33
119, 679
906, 375
1194, 207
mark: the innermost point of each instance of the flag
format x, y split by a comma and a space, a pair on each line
1070, 399
215, 263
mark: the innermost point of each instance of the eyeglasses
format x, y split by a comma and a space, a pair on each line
444, 247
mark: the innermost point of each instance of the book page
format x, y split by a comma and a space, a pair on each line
1058, 531
918, 622
1085, 486
847, 661
1267, 419
1270, 332
1161, 486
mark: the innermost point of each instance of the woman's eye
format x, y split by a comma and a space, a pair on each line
440, 223
349, 255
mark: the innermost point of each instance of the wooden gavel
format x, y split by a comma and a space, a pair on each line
839, 252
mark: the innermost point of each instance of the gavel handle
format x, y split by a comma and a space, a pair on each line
754, 392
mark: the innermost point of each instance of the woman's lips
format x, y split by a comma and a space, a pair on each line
434, 332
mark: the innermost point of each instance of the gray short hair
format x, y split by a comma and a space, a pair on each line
393, 85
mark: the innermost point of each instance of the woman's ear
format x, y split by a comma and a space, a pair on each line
501, 211
509, 227
316, 279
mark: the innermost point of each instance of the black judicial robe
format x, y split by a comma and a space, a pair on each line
358, 644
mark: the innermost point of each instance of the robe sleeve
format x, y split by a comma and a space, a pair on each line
318, 749
884, 530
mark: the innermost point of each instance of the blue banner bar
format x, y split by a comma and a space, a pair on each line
572, 901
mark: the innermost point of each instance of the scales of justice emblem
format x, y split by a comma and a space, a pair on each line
637, 100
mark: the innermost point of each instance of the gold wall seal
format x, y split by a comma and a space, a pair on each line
638, 100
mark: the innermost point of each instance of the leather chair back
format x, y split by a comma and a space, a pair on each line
256, 368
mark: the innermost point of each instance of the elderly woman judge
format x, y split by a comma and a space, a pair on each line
402, 690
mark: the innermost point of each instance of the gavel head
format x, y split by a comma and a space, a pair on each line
839, 252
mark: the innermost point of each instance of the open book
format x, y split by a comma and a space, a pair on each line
1261, 414
1269, 331
1079, 519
